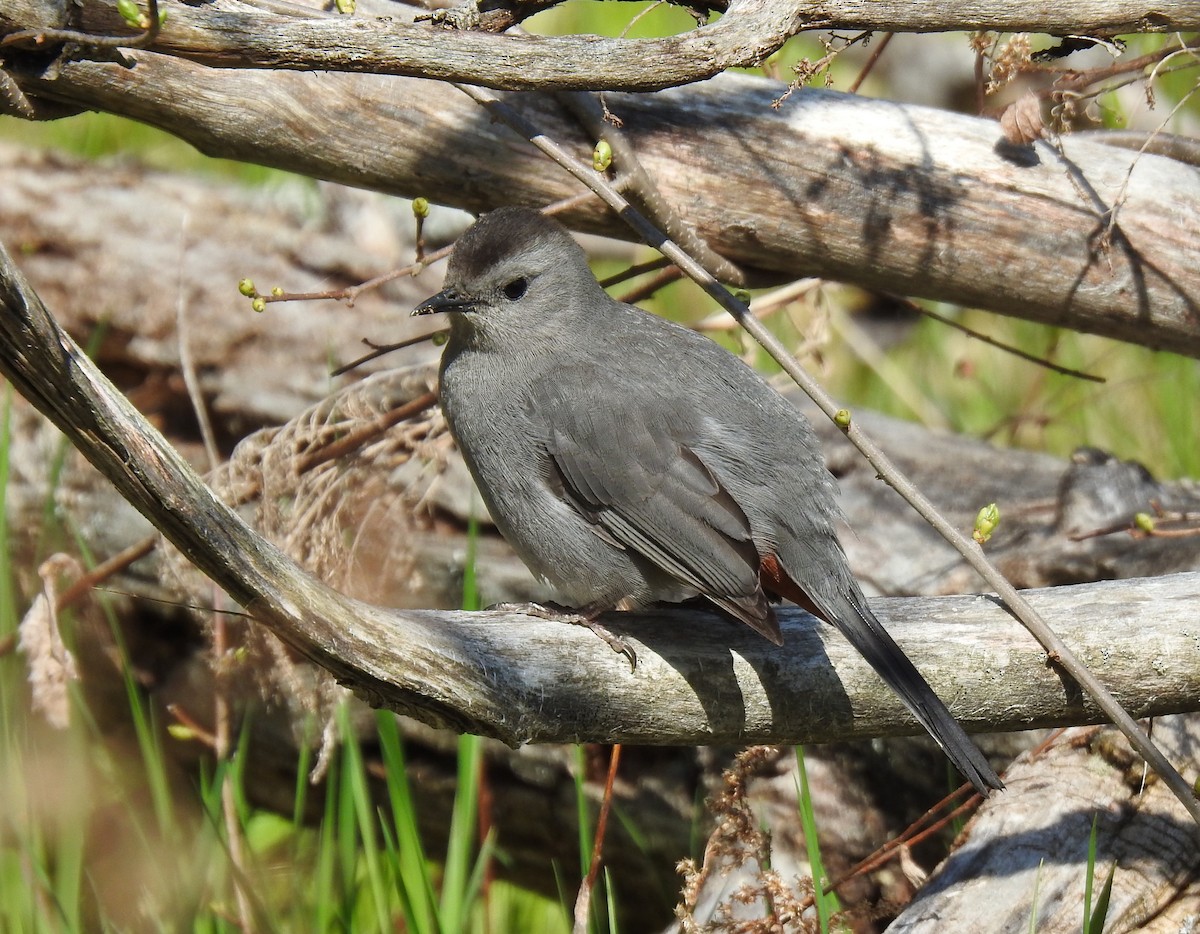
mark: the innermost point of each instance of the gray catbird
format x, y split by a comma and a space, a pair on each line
628, 460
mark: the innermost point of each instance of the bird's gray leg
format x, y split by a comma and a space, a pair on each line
584, 616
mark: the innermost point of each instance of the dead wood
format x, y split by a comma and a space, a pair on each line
520, 680
885, 195
1027, 856
249, 35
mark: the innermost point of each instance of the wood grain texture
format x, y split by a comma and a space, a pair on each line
889, 196
232, 34
61, 215
1030, 849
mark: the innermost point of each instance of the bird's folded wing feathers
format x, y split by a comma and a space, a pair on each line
651, 493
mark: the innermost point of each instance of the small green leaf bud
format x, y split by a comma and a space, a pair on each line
1144, 522
602, 156
841, 418
420, 207
259, 305
277, 291
986, 523
128, 9
246, 287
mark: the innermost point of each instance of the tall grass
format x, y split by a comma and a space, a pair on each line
362, 866
102, 830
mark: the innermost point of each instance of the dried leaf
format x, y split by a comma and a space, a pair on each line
1022, 120
51, 666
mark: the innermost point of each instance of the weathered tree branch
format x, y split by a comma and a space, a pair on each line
527, 680
263, 370
243, 35
1036, 840
888, 196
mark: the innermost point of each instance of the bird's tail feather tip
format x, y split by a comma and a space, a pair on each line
979, 774
964, 755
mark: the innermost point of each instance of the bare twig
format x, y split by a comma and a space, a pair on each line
151, 25
104, 570
187, 366
872, 61
588, 886
1078, 81
360, 436
379, 350
222, 703
199, 731
635, 183
1001, 345
647, 289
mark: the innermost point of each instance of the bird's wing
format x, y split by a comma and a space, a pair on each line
629, 467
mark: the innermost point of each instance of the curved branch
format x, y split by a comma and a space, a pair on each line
699, 680
241, 35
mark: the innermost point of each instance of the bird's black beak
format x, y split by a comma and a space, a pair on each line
445, 300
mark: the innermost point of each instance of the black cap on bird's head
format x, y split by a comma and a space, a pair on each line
512, 263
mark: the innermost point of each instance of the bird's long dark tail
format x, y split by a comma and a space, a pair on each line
864, 631
853, 618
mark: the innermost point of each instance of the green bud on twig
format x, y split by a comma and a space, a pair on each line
129, 12
602, 156
420, 207
246, 287
841, 418
986, 522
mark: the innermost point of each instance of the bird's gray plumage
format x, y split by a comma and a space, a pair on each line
629, 460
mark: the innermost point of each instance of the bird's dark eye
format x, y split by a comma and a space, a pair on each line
515, 289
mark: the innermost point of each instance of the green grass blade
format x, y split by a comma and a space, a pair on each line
8, 590
325, 879
153, 759
1090, 875
362, 809
1095, 923
463, 826
581, 812
826, 904
300, 801
415, 877
470, 596
610, 902
1033, 903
